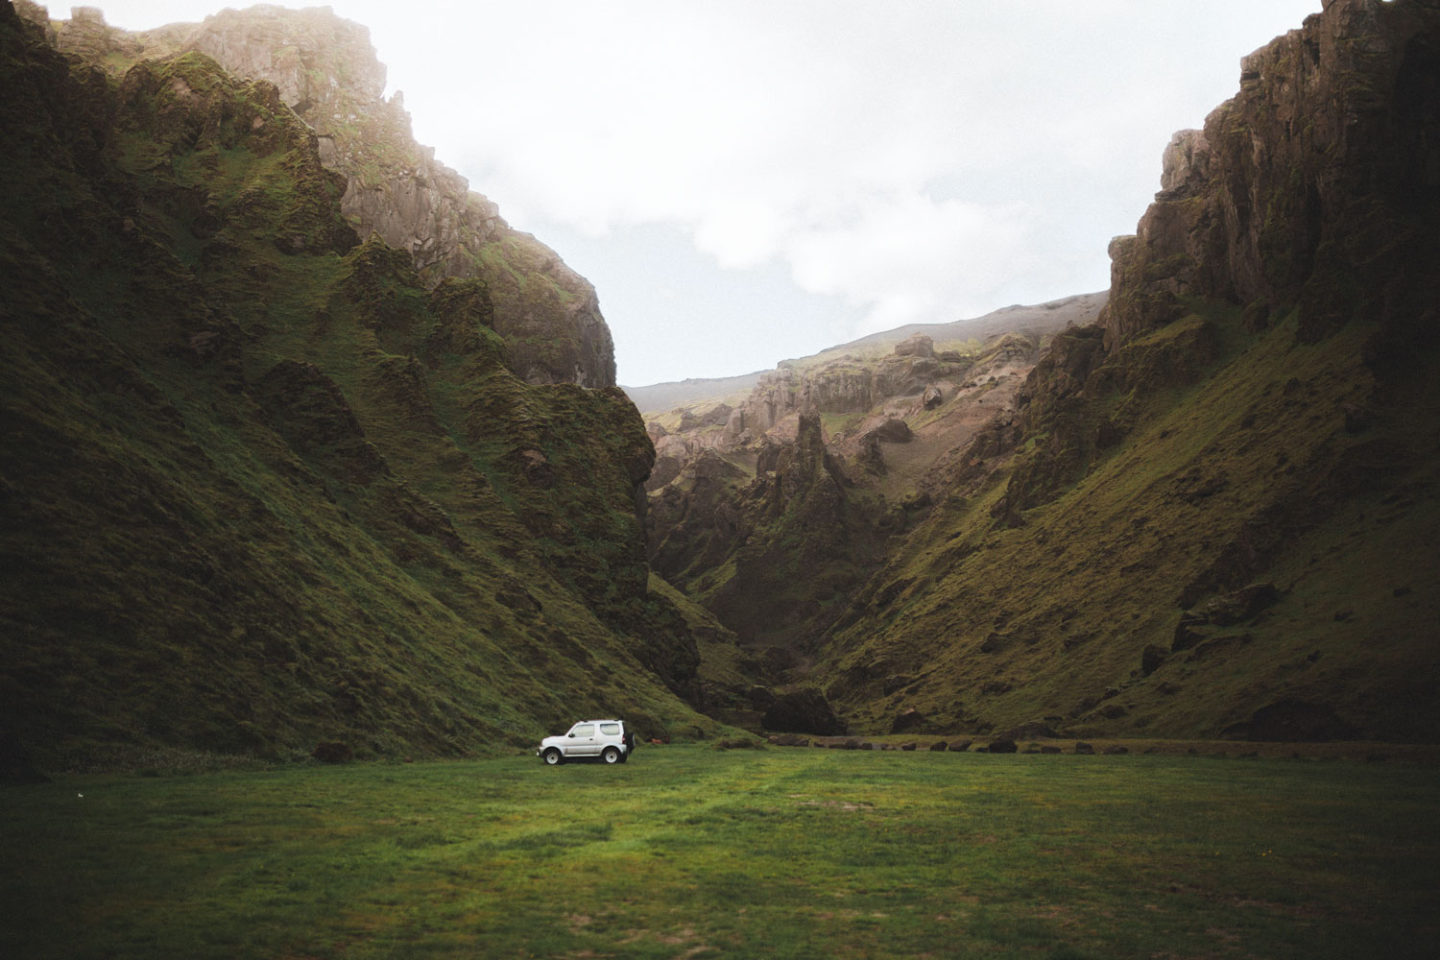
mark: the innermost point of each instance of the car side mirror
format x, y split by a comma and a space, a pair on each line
571, 736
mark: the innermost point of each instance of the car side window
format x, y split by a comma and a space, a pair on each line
583, 730
610, 729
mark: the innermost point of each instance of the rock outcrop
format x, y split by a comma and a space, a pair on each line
325, 69
1313, 187
772, 515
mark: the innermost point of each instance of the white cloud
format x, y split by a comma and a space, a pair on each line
920, 161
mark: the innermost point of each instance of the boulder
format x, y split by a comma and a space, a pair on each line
932, 397
1293, 721
917, 346
1116, 750
1002, 745
939, 746
893, 430
1083, 748
1151, 658
1186, 636
911, 719
1241, 606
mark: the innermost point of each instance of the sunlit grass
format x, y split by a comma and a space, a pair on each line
689, 851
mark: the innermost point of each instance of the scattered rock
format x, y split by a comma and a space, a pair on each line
917, 346
1031, 730
1358, 418
893, 430
1241, 606
788, 740
1151, 659
960, 746
939, 746
1083, 747
1050, 749
911, 719
908, 746
1002, 745
1116, 750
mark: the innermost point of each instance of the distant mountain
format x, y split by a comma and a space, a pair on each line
1039, 320
662, 397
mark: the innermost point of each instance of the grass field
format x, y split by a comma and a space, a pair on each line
693, 852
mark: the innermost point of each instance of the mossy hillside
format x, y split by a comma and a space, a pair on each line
1252, 471
225, 530
324, 68
776, 557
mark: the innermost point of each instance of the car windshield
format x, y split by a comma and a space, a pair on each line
583, 730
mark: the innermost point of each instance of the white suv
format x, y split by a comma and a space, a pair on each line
607, 740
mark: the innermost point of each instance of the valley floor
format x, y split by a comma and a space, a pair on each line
690, 851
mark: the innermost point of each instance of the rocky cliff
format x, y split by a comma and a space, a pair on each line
325, 69
1313, 188
267, 484
772, 509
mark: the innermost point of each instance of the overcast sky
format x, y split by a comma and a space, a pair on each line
746, 181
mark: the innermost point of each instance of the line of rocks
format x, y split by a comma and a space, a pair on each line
999, 745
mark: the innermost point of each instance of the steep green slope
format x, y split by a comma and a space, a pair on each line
1222, 511
1073, 613
261, 488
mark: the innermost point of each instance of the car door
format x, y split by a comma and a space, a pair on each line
582, 741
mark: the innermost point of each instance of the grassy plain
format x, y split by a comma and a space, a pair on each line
693, 852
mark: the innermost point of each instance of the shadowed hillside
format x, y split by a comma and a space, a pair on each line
267, 482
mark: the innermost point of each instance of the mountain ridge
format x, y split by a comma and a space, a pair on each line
1042, 318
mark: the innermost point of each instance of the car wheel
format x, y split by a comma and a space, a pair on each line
611, 755
552, 757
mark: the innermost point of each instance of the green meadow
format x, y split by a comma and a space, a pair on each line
692, 852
